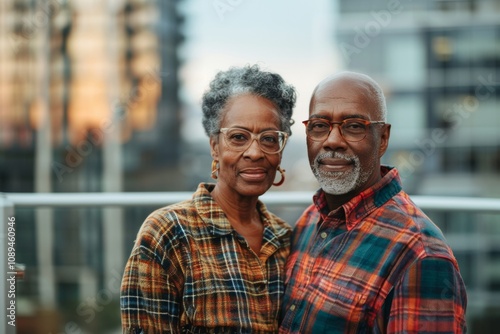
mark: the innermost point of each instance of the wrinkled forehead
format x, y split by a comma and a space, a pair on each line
343, 93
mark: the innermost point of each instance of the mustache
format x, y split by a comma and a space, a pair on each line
333, 155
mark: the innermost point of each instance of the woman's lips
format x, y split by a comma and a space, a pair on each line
253, 174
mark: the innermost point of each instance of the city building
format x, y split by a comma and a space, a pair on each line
88, 103
439, 65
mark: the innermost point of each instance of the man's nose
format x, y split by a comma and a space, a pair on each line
335, 138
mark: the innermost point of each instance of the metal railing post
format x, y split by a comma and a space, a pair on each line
8, 292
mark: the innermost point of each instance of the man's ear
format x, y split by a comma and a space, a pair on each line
384, 139
214, 147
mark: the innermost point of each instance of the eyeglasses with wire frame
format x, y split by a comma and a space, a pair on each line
351, 129
270, 141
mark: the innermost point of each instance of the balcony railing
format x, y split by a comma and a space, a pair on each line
9, 202
272, 198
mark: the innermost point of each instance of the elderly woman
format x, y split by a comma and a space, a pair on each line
214, 263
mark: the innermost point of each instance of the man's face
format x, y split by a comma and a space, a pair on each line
345, 167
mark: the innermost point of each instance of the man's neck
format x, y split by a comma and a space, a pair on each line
336, 201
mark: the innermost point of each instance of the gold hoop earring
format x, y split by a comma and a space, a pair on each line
280, 182
215, 169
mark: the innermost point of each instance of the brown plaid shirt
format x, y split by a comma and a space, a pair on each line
190, 272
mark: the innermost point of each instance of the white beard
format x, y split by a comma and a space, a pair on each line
339, 183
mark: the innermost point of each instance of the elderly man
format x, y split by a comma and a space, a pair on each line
365, 258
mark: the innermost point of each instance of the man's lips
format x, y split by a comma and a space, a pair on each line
335, 164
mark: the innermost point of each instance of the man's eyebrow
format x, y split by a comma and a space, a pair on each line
356, 116
345, 117
319, 116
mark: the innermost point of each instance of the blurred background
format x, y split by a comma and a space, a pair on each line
104, 96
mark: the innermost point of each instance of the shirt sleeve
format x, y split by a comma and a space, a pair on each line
430, 298
150, 297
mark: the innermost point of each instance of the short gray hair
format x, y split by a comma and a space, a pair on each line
376, 92
247, 80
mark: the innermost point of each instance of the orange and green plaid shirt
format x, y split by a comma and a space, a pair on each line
191, 272
377, 264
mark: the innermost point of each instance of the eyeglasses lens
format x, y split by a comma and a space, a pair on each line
351, 130
269, 141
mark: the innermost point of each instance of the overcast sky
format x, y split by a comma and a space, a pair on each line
293, 38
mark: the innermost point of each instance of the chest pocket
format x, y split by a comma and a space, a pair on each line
343, 310
205, 277
214, 276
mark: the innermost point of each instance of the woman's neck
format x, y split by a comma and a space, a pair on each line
238, 209
243, 216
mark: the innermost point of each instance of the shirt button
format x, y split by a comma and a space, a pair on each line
292, 308
323, 235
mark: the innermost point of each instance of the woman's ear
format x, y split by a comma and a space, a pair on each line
214, 147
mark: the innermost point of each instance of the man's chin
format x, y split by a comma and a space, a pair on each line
336, 184
334, 192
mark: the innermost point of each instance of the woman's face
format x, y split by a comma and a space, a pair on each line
250, 172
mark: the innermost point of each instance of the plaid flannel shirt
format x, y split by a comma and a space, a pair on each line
375, 265
190, 272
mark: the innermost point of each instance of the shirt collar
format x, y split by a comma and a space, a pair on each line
214, 217
365, 202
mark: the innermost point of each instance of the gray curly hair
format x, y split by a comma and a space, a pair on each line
243, 80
